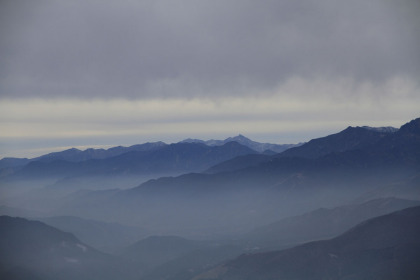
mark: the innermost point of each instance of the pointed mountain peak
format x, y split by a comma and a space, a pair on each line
239, 137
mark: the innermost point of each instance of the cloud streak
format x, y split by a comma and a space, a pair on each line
149, 49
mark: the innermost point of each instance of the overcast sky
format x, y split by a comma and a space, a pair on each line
90, 73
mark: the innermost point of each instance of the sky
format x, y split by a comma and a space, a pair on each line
101, 73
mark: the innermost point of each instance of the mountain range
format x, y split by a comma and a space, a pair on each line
76, 155
249, 189
167, 159
285, 185
46, 178
189, 209
120, 167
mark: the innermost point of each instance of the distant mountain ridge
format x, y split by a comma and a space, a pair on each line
168, 159
76, 155
257, 146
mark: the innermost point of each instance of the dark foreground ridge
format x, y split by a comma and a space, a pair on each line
386, 247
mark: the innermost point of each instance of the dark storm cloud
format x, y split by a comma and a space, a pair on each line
199, 48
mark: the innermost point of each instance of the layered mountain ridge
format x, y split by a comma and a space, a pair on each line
260, 193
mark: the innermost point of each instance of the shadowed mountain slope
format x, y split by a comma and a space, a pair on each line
351, 138
322, 223
107, 237
43, 252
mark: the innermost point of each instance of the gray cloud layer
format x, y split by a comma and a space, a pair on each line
142, 49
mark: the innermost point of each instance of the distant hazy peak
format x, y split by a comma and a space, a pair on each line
238, 137
383, 129
191, 140
241, 139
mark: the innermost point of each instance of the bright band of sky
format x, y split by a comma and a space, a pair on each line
294, 112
